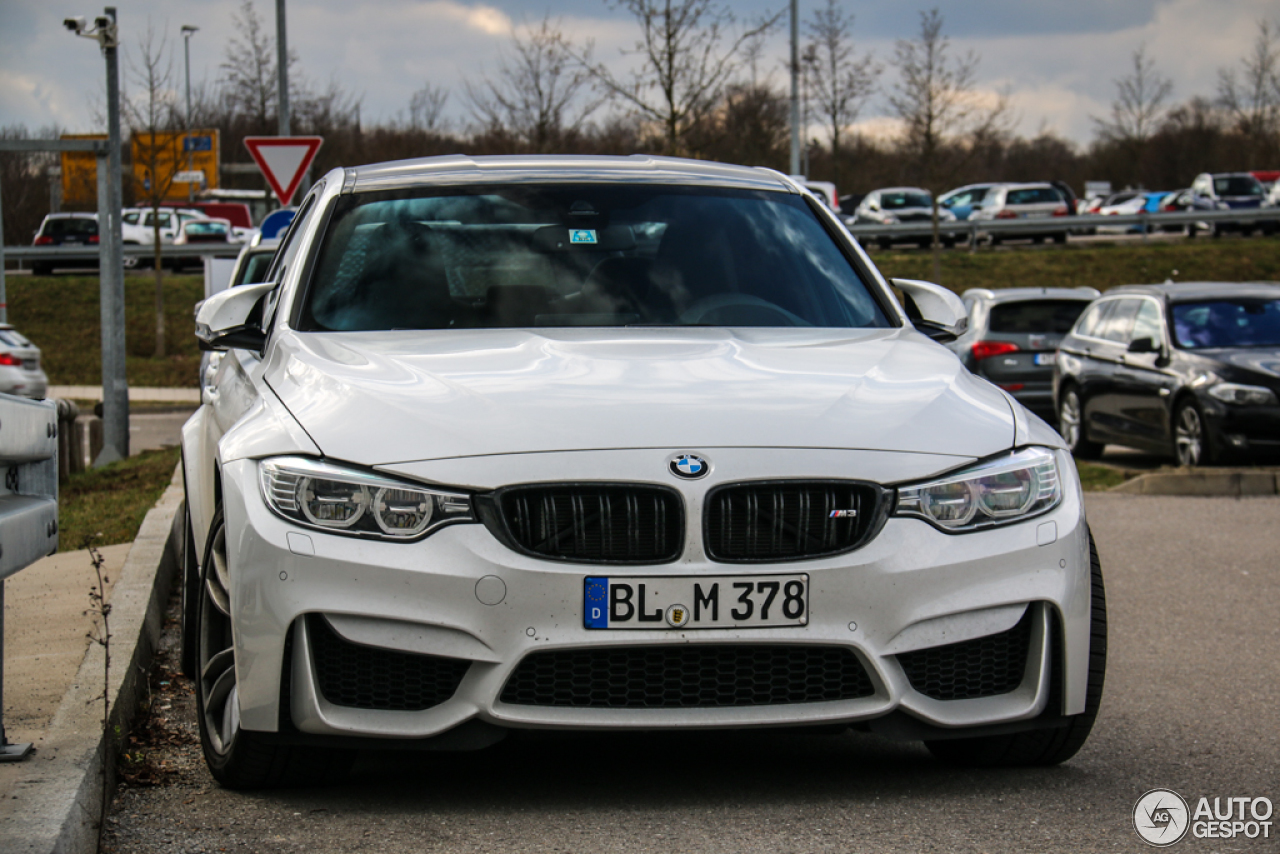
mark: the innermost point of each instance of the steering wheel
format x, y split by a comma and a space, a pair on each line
695, 313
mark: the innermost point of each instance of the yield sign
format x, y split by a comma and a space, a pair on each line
283, 160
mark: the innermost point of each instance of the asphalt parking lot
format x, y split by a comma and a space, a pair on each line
1192, 703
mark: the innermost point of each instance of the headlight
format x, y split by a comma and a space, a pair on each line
1245, 395
1008, 488
342, 500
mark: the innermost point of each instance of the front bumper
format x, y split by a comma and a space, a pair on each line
911, 588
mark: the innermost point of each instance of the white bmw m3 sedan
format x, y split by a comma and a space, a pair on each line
614, 444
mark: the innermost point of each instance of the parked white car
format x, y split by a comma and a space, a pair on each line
614, 444
137, 225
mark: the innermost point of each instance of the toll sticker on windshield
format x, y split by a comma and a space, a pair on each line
582, 235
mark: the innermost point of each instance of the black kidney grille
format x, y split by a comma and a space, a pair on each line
594, 523
788, 521
366, 677
982, 667
685, 677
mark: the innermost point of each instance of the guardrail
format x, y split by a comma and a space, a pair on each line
131, 250
28, 506
974, 229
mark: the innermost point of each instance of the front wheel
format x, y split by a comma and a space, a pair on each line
1071, 425
1190, 436
1045, 746
238, 758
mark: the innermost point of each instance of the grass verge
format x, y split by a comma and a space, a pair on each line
62, 315
108, 504
1099, 478
1096, 265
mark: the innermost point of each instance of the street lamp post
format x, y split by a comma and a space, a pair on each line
187, 32
115, 383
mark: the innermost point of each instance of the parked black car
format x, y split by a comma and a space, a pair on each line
1012, 337
66, 229
1190, 369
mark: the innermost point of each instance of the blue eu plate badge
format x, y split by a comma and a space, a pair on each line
582, 235
596, 600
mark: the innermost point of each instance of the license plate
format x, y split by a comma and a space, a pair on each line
1036, 214
695, 602
1046, 358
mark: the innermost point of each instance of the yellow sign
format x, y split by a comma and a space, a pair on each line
168, 165
80, 173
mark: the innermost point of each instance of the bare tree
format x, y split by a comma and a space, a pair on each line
426, 109
839, 83
936, 98
540, 93
1252, 99
689, 51
1139, 103
249, 82
152, 116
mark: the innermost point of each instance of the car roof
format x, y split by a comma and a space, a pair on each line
900, 190
71, 215
1083, 294
637, 168
1182, 291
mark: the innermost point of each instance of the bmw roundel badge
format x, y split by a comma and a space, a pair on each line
689, 466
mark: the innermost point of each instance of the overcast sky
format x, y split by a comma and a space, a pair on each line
1057, 59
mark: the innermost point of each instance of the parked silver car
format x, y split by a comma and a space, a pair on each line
1025, 202
902, 206
20, 371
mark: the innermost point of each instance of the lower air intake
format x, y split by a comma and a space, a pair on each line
982, 667
686, 677
368, 677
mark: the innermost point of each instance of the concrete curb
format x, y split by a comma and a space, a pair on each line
62, 808
1223, 482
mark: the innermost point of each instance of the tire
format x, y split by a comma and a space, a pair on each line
237, 758
41, 269
1045, 746
1191, 444
949, 243
1071, 425
995, 241
924, 244
189, 569
1037, 240
883, 244
1060, 239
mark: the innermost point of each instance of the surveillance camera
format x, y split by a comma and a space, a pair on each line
102, 22
75, 25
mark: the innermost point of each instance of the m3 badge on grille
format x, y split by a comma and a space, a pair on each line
689, 466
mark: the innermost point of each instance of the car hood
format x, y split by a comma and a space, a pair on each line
386, 397
1263, 362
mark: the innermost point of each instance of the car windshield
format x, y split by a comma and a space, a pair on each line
206, 228
1036, 316
894, 201
581, 255
1237, 185
1228, 322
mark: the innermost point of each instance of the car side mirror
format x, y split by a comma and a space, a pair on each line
1143, 345
933, 310
232, 319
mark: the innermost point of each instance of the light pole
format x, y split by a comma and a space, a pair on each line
187, 32
115, 383
795, 87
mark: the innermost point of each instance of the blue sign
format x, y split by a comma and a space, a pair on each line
582, 235
197, 143
274, 224
595, 603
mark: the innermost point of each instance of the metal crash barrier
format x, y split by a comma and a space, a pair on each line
28, 507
